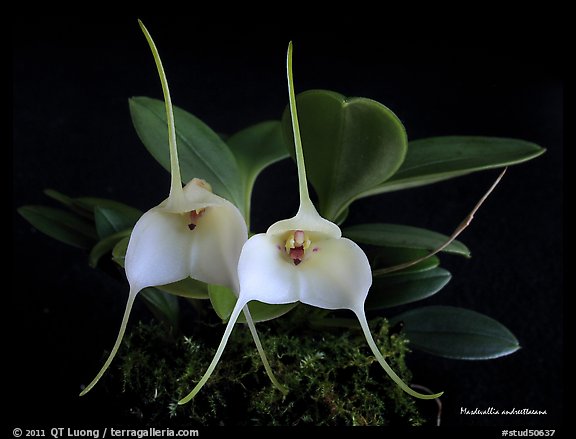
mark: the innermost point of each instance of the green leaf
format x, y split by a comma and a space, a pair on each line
105, 246
110, 220
165, 307
457, 333
439, 158
189, 288
384, 257
86, 206
202, 153
61, 225
69, 202
223, 301
60, 197
351, 145
397, 235
91, 203
255, 148
119, 251
399, 289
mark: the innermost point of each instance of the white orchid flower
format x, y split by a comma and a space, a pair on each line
193, 233
304, 259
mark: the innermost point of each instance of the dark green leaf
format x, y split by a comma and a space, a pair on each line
110, 220
397, 235
59, 224
91, 203
351, 145
165, 307
69, 202
255, 148
202, 153
385, 257
457, 333
439, 158
223, 301
399, 289
85, 206
105, 246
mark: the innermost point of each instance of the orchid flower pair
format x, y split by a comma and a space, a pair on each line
195, 233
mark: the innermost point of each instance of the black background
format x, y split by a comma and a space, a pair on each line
72, 132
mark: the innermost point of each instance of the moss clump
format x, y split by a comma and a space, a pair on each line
331, 376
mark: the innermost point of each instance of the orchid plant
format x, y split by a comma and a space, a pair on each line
195, 244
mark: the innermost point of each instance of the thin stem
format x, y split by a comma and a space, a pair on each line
303, 184
176, 180
438, 402
366, 329
131, 298
260, 349
463, 225
219, 351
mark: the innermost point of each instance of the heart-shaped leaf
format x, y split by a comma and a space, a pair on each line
61, 225
202, 153
351, 145
223, 300
400, 289
255, 148
457, 333
439, 158
398, 235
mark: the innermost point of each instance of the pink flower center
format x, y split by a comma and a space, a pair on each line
296, 245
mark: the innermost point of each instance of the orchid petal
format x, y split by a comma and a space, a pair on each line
264, 272
336, 275
158, 250
216, 243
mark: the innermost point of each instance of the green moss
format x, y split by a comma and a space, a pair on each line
331, 375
